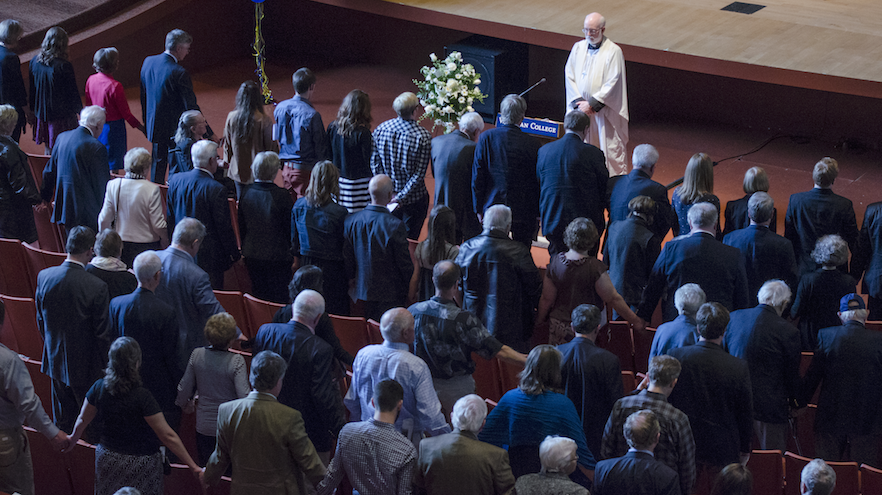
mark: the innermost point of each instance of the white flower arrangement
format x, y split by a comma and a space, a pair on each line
448, 90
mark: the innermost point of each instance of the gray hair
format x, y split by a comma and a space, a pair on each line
146, 265
818, 477
830, 250
512, 109
641, 429
702, 215
10, 31
202, 152
127, 490
308, 305
188, 231
265, 166
185, 122
470, 123
760, 207
585, 318
405, 104
644, 156
688, 298
775, 293
177, 37
556, 452
92, 116
267, 368
497, 217
394, 323
8, 119
137, 162
469, 413
854, 314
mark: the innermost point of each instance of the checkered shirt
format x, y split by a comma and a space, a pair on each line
402, 149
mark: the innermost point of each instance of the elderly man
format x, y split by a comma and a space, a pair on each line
819, 212
452, 158
12, 86
770, 346
392, 359
402, 148
848, 366
300, 133
375, 252
623, 188
572, 182
697, 258
504, 171
166, 93
375, 457
681, 331
446, 336
310, 386
196, 194
715, 392
676, 446
638, 470
866, 260
501, 283
631, 249
767, 255
595, 74
817, 478
264, 440
77, 173
559, 457
458, 462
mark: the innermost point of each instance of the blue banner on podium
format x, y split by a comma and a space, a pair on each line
539, 127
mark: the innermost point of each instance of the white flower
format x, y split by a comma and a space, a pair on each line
477, 82
433, 57
470, 100
457, 55
430, 108
447, 109
470, 109
459, 76
451, 66
461, 99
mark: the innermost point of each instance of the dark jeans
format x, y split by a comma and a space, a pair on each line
160, 161
413, 215
269, 279
335, 284
66, 404
862, 449
875, 307
772, 436
204, 447
131, 250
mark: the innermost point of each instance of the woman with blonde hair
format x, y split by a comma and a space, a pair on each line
698, 187
755, 180
351, 143
54, 97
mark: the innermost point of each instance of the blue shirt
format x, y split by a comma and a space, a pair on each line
300, 132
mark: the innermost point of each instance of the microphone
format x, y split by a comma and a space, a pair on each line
533, 86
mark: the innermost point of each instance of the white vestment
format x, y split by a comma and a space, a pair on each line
600, 74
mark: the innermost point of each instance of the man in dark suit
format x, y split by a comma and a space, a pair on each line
697, 258
572, 182
375, 252
12, 87
458, 462
770, 346
848, 366
166, 93
452, 158
196, 194
631, 249
637, 472
681, 331
504, 171
72, 314
153, 324
866, 259
592, 376
623, 188
309, 387
714, 391
767, 255
77, 173
819, 212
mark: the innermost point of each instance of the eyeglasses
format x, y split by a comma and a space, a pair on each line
591, 31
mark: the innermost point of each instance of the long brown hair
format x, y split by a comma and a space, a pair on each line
322, 184
354, 112
248, 102
542, 371
442, 231
54, 46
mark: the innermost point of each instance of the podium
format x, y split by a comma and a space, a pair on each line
546, 130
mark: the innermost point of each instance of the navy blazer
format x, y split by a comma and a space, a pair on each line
54, 91
867, 257
572, 183
76, 176
767, 256
814, 214
197, 195
452, 158
504, 172
770, 345
736, 216
154, 325
376, 255
72, 314
623, 188
12, 86
701, 259
635, 473
166, 93
264, 222
630, 251
679, 332
816, 302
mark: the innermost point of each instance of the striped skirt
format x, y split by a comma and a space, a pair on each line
354, 194
114, 471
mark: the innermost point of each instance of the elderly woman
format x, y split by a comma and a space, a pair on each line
698, 187
575, 277
133, 208
105, 91
351, 144
558, 457
534, 410
131, 426
437, 247
265, 229
248, 131
755, 180
817, 298
317, 234
54, 96
18, 191
217, 375
192, 126
107, 266
631, 249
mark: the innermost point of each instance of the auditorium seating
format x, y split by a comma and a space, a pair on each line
37, 164
508, 375
805, 433
487, 381
234, 217
871, 480
234, 303
352, 332
642, 347
40, 259
767, 467
629, 382
848, 478
615, 337
15, 276
21, 314
874, 325
259, 311
42, 384
52, 474
47, 232
376, 337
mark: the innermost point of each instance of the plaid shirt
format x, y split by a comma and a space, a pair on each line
402, 149
376, 459
676, 447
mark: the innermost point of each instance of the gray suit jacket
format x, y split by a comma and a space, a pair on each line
460, 463
452, 157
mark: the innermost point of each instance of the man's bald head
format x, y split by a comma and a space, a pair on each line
594, 27
381, 189
445, 275
396, 325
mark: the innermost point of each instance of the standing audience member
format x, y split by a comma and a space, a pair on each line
18, 190
72, 315
300, 133
734, 479
817, 478
108, 266
351, 146
736, 214
681, 331
402, 149
106, 92
698, 187
77, 174
559, 460
623, 188
631, 250
504, 171
263, 440
265, 229
572, 182
438, 246
190, 128
12, 87
374, 457
458, 462
500, 282
375, 253
452, 157
819, 212
866, 260
247, 132
317, 235
55, 95
137, 215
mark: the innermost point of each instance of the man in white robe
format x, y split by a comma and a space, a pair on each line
595, 74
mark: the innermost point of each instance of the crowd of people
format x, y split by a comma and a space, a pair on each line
134, 336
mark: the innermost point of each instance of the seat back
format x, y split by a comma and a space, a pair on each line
767, 467
616, 337
642, 347
54, 476
874, 325
508, 375
39, 259
16, 278
352, 332
234, 303
804, 431
871, 480
37, 163
21, 313
42, 384
487, 382
47, 232
234, 219
374, 334
260, 312
81, 463
163, 198
629, 382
